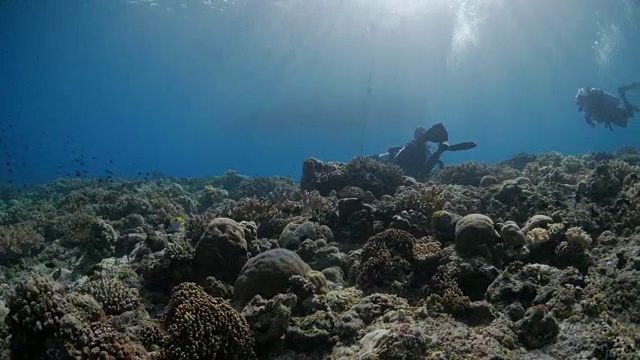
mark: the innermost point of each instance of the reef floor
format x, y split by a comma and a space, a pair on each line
537, 257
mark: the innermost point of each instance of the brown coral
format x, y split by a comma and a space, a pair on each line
203, 327
114, 296
35, 312
100, 341
18, 241
386, 258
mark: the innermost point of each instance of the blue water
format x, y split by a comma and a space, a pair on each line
192, 88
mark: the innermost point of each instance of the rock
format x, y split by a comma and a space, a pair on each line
537, 328
295, 233
445, 225
488, 180
511, 235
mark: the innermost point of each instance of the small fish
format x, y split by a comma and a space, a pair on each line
177, 223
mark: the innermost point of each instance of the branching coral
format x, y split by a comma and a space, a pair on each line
467, 173
251, 209
363, 172
427, 251
426, 199
578, 236
35, 312
169, 267
114, 296
374, 176
100, 341
314, 204
18, 241
537, 236
197, 225
447, 292
203, 327
261, 187
386, 261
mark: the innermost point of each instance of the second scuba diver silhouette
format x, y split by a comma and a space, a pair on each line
416, 159
600, 106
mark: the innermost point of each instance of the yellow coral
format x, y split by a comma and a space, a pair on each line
578, 236
318, 280
537, 236
555, 228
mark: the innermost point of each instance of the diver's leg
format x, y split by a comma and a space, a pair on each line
629, 106
633, 86
621, 118
623, 93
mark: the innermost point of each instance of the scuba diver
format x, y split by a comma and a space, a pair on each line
600, 106
416, 159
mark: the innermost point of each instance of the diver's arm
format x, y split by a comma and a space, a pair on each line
587, 117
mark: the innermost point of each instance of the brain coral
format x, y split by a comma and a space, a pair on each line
267, 274
475, 235
221, 251
200, 326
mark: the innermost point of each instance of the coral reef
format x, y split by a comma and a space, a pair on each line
534, 257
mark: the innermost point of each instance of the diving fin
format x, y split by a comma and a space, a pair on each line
633, 86
462, 146
437, 133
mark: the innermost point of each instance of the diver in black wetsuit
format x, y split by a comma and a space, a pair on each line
600, 106
415, 157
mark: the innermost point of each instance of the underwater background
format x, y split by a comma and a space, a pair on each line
193, 88
125, 234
